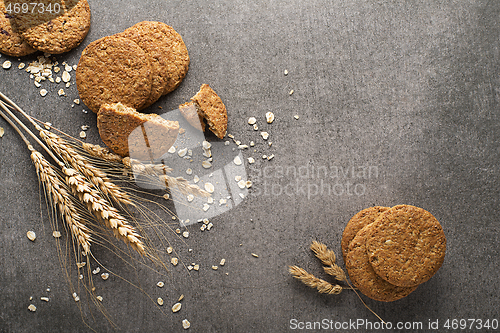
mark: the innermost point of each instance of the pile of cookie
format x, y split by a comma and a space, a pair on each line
388, 252
45, 25
120, 74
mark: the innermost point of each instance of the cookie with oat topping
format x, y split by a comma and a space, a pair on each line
356, 223
363, 276
114, 69
406, 245
11, 41
168, 55
211, 108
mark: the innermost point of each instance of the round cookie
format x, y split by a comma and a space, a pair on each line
406, 245
356, 223
364, 277
11, 41
113, 69
154, 42
167, 49
62, 33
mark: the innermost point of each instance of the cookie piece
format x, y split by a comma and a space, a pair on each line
130, 133
11, 41
363, 276
210, 107
356, 223
406, 245
190, 113
113, 69
61, 33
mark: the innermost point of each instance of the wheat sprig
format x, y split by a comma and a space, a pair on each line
101, 208
98, 177
310, 280
322, 252
101, 152
62, 199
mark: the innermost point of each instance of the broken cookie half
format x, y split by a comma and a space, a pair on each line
207, 106
128, 132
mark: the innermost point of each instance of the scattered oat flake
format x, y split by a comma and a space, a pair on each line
160, 301
248, 184
255, 255
269, 117
76, 101
242, 146
61, 92
174, 261
190, 197
67, 68
58, 79
210, 200
237, 178
222, 262
255, 127
2, 132
105, 276
43, 92
171, 150
96, 271
296, 116
264, 135
186, 324
160, 284
285, 72
206, 207
185, 234
209, 187
66, 77
6, 64
237, 160
242, 195
169, 249
177, 307
32, 307
166, 196
83, 135
270, 157
195, 267
181, 297
206, 164
31, 235
21, 65
242, 184
252, 120
45, 299
81, 264
99, 298
251, 160
252, 143
291, 92
206, 144
215, 267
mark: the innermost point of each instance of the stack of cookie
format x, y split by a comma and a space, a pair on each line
135, 67
388, 252
45, 25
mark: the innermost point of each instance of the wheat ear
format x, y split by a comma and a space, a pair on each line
101, 208
54, 186
63, 200
310, 280
101, 152
327, 257
98, 177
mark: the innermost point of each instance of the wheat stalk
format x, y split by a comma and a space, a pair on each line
101, 208
310, 280
101, 152
62, 199
98, 177
327, 257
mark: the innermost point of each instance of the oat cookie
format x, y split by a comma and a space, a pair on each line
212, 109
155, 38
364, 277
356, 223
11, 41
190, 113
130, 133
406, 245
59, 33
113, 69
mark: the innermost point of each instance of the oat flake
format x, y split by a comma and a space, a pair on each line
31, 235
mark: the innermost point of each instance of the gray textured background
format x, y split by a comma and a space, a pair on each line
410, 88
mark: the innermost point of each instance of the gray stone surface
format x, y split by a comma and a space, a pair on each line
408, 90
